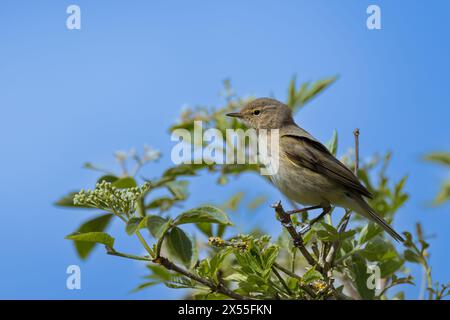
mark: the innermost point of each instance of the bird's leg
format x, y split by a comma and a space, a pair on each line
307, 227
303, 209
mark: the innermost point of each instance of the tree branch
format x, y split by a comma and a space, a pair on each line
169, 265
298, 240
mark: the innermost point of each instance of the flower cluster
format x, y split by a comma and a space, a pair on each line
107, 197
237, 244
320, 286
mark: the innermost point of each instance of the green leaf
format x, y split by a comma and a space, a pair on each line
203, 214
389, 266
132, 225
411, 256
96, 237
311, 275
159, 273
108, 178
333, 143
179, 189
126, 182
316, 88
161, 203
205, 228
360, 276
256, 202
67, 201
443, 195
367, 233
439, 157
328, 234
180, 245
96, 224
217, 260
234, 201
181, 282
157, 225
144, 285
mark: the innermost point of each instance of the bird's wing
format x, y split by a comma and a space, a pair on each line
313, 155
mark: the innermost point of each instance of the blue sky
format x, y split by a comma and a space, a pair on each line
70, 96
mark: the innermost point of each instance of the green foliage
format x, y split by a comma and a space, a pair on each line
97, 224
94, 237
180, 245
442, 158
206, 214
254, 265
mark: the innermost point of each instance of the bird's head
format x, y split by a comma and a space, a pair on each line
264, 113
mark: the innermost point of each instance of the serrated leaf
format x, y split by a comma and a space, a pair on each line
203, 214
96, 237
181, 282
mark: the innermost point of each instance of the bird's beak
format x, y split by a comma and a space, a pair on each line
235, 114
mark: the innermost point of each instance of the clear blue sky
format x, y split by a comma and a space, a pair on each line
67, 97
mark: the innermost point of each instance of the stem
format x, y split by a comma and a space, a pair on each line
305, 288
356, 134
141, 207
280, 278
113, 252
144, 243
330, 259
138, 234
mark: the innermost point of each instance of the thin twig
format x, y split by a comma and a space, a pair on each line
113, 252
356, 134
305, 288
329, 261
280, 278
298, 240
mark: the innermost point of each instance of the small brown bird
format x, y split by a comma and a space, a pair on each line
308, 173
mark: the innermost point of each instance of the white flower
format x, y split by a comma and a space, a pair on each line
150, 154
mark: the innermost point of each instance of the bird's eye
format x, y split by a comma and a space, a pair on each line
256, 112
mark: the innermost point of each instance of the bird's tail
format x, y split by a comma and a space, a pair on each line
364, 209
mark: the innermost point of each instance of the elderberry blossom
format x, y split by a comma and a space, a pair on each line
107, 197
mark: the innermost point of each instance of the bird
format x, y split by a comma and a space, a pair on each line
308, 173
